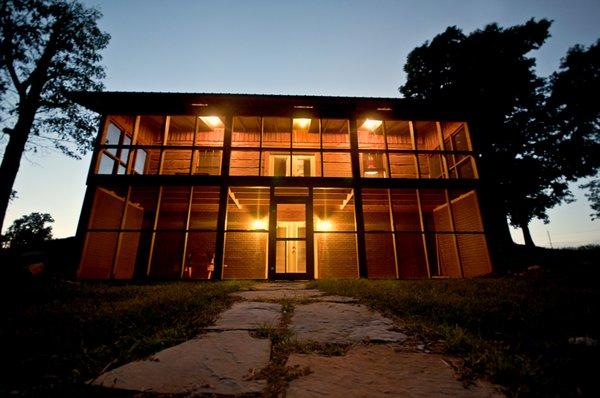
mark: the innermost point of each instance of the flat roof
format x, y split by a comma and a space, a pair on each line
124, 102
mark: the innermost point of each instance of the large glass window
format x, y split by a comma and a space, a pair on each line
114, 153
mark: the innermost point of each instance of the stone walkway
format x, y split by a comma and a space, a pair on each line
375, 359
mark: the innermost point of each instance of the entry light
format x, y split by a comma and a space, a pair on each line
301, 124
324, 225
212, 121
260, 224
371, 124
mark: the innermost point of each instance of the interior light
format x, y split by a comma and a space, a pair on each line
371, 124
324, 225
212, 121
301, 124
371, 168
260, 223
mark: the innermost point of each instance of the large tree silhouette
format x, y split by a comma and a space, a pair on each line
47, 47
29, 231
574, 105
491, 74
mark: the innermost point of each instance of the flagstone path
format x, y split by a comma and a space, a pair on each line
375, 357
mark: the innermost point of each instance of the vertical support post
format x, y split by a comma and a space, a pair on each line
260, 152
310, 252
358, 208
424, 235
223, 199
133, 151
393, 229
164, 143
446, 169
154, 224
120, 233
321, 147
272, 233
454, 238
186, 234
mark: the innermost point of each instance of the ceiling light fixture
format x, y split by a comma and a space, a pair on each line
371, 124
212, 121
301, 123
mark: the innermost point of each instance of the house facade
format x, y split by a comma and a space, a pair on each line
231, 186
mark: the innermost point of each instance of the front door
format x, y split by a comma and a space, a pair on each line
290, 248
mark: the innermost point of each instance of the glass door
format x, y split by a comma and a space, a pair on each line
289, 240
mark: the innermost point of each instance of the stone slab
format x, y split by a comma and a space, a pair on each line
342, 323
336, 299
291, 294
279, 286
248, 315
379, 371
214, 363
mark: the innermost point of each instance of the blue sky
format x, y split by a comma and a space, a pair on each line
354, 48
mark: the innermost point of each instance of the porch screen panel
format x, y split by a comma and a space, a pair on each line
199, 257
334, 233
410, 250
181, 130
101, 238
247, 237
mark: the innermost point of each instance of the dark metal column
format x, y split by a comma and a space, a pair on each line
358, 208
223, 198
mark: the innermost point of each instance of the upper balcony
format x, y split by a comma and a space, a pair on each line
285, 147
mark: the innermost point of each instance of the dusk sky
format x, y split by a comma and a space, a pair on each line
341, 48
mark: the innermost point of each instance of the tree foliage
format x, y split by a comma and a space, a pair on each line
575, 108
47, 48
29, 231
491, 73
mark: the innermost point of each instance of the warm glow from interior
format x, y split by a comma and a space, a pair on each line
371, 124
260, 223
324, 225
301, 124
212, 121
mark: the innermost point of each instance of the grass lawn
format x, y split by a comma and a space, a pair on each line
59, 334
514, 331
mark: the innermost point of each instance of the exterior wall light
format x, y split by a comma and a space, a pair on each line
260, 224
324, 225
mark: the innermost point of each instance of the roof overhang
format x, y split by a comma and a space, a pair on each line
264, 104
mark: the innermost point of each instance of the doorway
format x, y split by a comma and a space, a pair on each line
290, 239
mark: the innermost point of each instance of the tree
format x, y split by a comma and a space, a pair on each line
490, 73
47, 48
29, 231
575, 108
593, 196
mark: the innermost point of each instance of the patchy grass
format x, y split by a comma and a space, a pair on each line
277, 374
514, 331
61, 334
